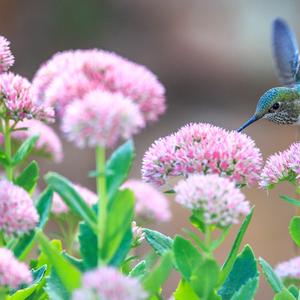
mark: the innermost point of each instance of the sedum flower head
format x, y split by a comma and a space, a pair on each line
150, 203
204, 149
106, 283
15, 93
282, 166
59, 206
17, 212
6, 57
289, 269
101, 119
219, 200
12, 272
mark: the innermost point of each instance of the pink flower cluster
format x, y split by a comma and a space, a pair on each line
17, 212
221, 202
289, 269
282, 166
59, 207
69, 75
204, 149
15, 93
6, 57
101, 118
107, 283
150, 204
12, 272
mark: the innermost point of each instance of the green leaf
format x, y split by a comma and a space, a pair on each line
187, 257
290, 200
3, 159
274, 281
284, 295
77, 205
226, 268
244, 269
247, 291
184, 292
118, 167
139, 270
55, 288
196, 239
197, 220
29, 177
119, 219
69, 276
160, 243
26, 242
154, 280
24, 150
294, 229
294, 291
76, 262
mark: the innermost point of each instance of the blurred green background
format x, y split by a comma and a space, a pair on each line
214, 59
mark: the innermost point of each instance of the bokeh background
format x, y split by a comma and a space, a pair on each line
214, 59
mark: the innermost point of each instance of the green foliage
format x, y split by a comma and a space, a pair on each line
290, 200
247, 291
226, 268
24, 150
274, 281
29, 177
160, 243
284, 295
139, 270
3, 159
55, 288
77, 205
184, 291
294, 229
118, 167
294, 291
243, 270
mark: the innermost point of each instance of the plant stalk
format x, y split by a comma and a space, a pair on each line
7, 144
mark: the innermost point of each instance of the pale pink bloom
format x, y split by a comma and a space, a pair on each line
15, 92
107, 283
138, 234
289, 269
59, 206
12, 272
101, 119
6, 57
150, 203
48, 144
69, 75
221, 202
204, 149
282, 166
17, 212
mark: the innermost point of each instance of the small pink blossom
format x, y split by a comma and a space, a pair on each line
107, 283
218, 198
15, 92
12, 272
289, 269
101, 119
17, 212
204, 149
6, 57
138, 234
59, 207
150, 203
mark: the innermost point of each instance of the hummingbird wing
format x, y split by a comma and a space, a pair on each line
285, 52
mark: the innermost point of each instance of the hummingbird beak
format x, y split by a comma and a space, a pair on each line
250, 121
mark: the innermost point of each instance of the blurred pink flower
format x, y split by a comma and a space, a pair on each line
101, 119
12, 272
289, 269
138, 234
205, 149
6, 57
150, 203
59, 207
48, 144
17, 212
17, 98
69, 75
221, 202
282, 166
107, 283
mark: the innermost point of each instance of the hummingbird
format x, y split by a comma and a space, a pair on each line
281, 104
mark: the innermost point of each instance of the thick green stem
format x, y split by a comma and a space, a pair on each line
208, 240
102, 202
7, 144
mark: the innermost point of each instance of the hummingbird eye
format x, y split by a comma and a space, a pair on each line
274, 107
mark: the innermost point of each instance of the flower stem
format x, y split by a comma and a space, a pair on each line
7, 143
208, 240
102, 202
3, 293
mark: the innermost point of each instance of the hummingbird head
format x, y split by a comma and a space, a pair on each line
280, 105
